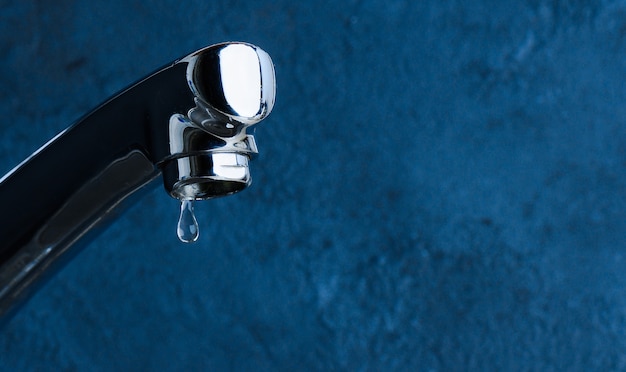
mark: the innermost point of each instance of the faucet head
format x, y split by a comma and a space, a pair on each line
235, 81
234, 87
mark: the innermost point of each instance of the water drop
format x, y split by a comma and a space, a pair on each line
187, 224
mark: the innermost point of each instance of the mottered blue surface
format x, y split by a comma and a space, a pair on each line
441, 186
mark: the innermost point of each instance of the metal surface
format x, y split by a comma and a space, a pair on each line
188, 120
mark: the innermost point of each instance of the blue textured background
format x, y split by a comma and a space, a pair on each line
441, 186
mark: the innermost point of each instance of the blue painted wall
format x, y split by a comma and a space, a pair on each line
441, 186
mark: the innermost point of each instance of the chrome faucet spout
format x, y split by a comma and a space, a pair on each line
187, 121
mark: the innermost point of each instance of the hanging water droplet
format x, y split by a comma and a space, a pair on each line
187, 224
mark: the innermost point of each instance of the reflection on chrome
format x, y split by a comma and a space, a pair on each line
241, 78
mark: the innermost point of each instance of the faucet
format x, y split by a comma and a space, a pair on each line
188, 121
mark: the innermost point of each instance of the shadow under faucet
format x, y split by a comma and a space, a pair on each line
187, 121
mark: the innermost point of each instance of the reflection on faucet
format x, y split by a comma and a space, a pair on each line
187, 121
